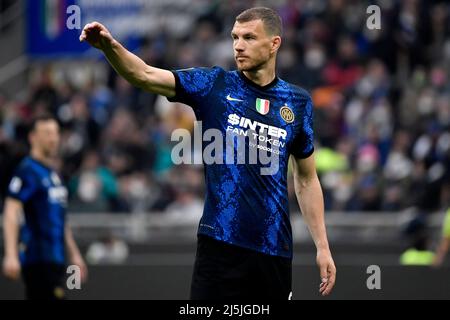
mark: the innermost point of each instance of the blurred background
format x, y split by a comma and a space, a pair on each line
382, 120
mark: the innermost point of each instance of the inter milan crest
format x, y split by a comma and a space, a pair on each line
287, 114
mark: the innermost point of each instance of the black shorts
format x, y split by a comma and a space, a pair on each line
44, 281
224, 271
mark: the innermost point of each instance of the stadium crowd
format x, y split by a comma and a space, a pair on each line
382, 110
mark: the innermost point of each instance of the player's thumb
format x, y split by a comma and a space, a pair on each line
323, 272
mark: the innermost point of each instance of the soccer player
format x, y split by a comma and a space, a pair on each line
37, 191
244, 245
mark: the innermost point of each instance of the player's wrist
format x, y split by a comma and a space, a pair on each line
11, 256
109, 45
323, 248
75, 257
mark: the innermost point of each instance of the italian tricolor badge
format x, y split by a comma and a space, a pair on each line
262, 105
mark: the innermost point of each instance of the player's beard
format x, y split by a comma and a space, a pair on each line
251, 65
50, 152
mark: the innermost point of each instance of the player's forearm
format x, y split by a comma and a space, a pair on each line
11, 233
128, 65
310, 198
138, 73
71, 245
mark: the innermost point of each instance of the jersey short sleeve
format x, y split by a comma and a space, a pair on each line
303, 144
22, 186
193, 85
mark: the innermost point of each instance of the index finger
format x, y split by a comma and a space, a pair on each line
94, 24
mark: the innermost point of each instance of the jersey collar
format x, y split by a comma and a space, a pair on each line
257, 86
40, 163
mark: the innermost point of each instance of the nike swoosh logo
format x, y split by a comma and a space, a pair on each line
229, 98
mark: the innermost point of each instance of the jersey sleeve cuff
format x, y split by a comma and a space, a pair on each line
304, 155
175, 98
15, 197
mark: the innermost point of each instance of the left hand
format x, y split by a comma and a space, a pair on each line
327, 271
78, 261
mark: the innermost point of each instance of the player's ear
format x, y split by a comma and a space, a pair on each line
276, 43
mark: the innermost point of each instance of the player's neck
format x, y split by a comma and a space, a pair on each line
261, 77
39, 156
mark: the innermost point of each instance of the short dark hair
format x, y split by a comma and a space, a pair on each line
41, 118
270, 18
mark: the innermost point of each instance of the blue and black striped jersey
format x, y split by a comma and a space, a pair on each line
243, 206
44, 199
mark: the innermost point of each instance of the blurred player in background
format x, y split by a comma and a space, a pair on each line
36, 191
444, 244
244, 237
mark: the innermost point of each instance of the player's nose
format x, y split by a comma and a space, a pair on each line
238, 46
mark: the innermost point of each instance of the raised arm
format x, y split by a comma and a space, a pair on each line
310, 198
128, 65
